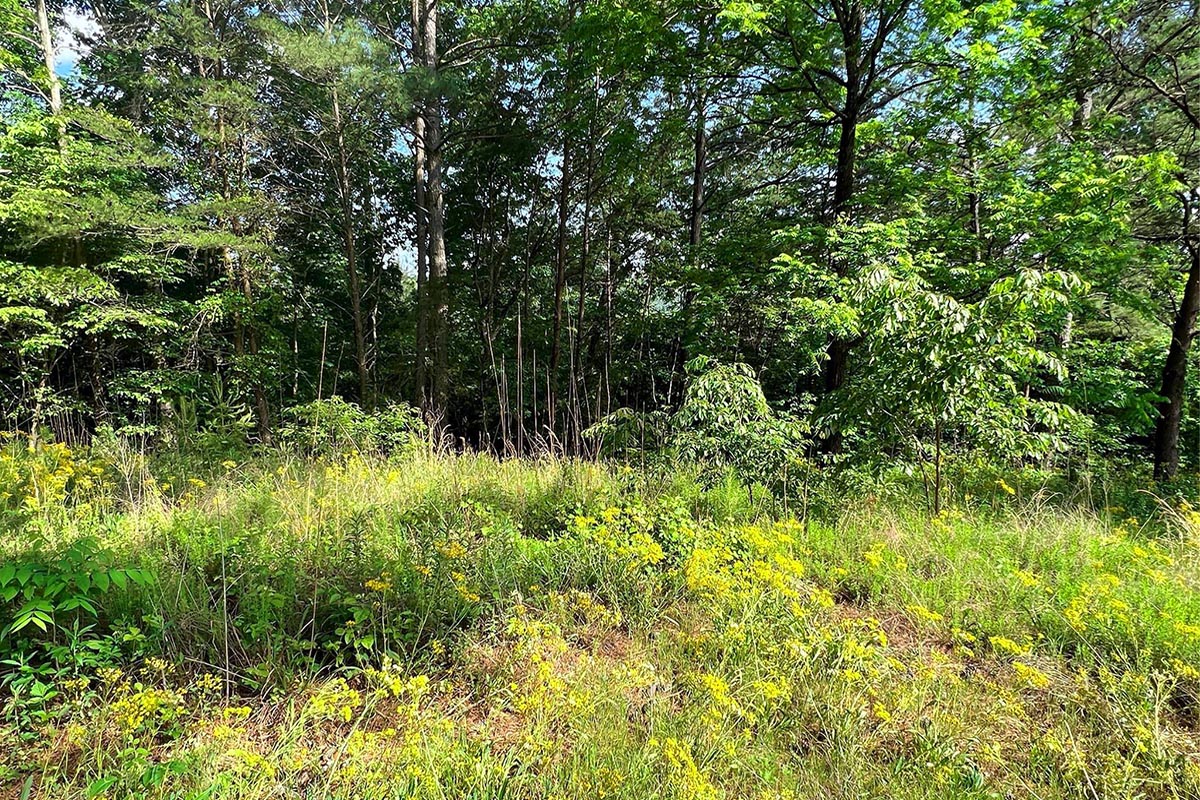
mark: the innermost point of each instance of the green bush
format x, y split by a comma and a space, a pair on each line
333, 425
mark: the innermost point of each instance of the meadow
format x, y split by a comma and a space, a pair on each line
453, 626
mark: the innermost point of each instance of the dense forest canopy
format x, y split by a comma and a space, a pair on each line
862, 228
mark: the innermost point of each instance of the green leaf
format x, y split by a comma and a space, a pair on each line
99, 787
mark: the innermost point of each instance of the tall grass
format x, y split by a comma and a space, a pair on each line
456, 626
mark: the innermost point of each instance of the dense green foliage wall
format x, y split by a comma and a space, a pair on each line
924, 227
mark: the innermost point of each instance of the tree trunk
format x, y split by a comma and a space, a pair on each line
699, 168
346, 196
1174, 374
54, 88
838, 351
578, 380
851, 25
699, 148
560, 285
245, 337
974, 198
421, 232
843, 187
438, 323
262, 409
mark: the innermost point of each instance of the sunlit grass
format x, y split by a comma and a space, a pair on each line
451, 627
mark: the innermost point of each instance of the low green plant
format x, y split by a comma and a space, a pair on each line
724, 423
335, 426
57, 590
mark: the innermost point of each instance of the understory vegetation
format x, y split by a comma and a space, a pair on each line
344, 624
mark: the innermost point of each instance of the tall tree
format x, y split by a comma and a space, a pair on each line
436, 313
1154, 66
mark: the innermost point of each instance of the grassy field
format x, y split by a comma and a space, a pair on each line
456, 627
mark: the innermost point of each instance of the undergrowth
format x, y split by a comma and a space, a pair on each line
345, 626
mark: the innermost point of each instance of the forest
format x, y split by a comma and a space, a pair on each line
967, 223
554, 399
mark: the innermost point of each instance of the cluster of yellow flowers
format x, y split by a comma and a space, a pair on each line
682, 770
604, 782
463, 587
139, 709
334, 700
244, 761
920, 612
451, 549
42, 476
391, 680
747, 561
1002, 644
623, 533
537, 685
583, 609
1030, 675
208, 684
379, 584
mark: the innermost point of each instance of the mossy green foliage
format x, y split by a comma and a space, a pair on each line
455, 626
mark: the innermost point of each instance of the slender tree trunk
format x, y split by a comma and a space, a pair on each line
844, 180
47, 42
421, 234
262, 409
579, 404
699, 169
245, 337
560, 285
838, 351
372, 258
438, 326
522, 315
843, 187
1083, 108
608, 324
937, 468
346, 195
578, 382
679, 354
1174, 374
974, 199
54, 98
54, 87
560, 251
438, 330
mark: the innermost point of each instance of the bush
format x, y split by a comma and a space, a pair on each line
725, 423
47, 592
45, 477
333, 425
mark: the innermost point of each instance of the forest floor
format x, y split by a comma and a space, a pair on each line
456, 627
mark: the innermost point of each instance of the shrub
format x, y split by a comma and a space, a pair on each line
45, 591
724, 423
333, 425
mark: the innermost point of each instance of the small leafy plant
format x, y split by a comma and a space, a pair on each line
55, 592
